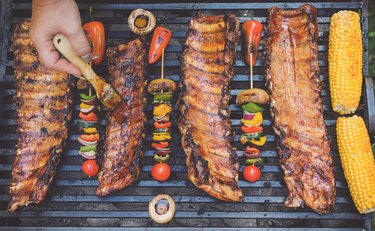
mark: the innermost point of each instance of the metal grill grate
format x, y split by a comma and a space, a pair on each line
71, 200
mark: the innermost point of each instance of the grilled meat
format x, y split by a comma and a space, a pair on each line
123, 144
43, 100
204, 105
296, 107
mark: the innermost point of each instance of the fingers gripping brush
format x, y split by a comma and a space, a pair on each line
106, 94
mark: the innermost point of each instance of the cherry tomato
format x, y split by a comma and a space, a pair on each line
251, 173
90, 168
161, 171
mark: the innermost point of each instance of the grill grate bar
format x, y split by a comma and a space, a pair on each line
208, 6
141, 214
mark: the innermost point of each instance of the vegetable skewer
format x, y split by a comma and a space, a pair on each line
162, 91
250, 100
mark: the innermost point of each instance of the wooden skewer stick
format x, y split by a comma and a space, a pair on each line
162, 67
162, 64
251, 67
251, 71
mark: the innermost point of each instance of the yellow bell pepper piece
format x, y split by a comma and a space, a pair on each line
260, 142
85, 106
256, 121
162, 109
161, 137
90, 130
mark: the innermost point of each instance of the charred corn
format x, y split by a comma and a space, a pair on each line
357, 161
345, 61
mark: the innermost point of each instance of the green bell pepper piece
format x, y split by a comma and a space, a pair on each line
252, 107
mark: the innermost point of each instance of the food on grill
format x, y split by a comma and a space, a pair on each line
90, 168
43, 99
254, 95
124, 142
251, 36
159, 43
160, 86
105, 93
204, 105
357, 161
141, 21
96, 35
161, 171
296, 108
251, 173
90, 135
345, 61
162, 91
162, 208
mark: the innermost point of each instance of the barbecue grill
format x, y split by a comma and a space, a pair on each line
71, 200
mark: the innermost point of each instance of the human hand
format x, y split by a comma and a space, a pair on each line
50, 17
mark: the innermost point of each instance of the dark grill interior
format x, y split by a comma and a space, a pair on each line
71, 200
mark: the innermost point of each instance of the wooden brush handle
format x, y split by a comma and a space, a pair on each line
63, 45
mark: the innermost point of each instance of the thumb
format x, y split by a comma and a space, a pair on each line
79, 42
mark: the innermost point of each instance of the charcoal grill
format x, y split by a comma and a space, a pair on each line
71, 200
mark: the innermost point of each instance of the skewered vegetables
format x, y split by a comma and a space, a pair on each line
345, 61
251, 36
96, 35
251, 101
159, 42
161, 171
357, 161
90, 168
90, 136
251, 173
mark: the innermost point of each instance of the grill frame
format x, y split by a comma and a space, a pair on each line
8, 7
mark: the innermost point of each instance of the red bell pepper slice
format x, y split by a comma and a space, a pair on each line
159, 41
88, 117
252, 129
90, 137
162, 125
251, 34
160, 145
96, 35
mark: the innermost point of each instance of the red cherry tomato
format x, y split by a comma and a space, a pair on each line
90, 168
161, 172
251, 173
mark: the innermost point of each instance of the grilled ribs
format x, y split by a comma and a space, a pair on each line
204, 105
296, 108
43, 99
123, 144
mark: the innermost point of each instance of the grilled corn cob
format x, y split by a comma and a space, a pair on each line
357, 161
345, 61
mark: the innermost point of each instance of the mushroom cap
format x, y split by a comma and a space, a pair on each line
163, 218
254, 95
150, 25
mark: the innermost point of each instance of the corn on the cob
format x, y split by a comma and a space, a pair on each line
345, 61
357, 161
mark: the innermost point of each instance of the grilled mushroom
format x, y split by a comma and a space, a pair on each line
141, 21
161, 84
162, 208
254, 95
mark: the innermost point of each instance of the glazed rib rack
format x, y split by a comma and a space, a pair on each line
71, 200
